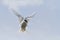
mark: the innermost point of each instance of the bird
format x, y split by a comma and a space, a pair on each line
23, 21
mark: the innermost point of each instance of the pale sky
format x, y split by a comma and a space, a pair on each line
44, 26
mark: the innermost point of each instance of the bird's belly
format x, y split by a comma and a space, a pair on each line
24, 24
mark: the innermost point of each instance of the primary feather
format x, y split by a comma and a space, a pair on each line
18, 15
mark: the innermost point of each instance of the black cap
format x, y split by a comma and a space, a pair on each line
25, 20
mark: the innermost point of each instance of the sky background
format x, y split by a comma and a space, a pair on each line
44, 26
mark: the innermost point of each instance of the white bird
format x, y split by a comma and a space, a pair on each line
23, 21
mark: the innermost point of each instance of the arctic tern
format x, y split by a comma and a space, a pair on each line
23, 21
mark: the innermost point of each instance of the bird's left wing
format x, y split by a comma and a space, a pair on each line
18, 15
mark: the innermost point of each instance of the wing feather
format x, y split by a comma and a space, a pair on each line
29, 17
18, 15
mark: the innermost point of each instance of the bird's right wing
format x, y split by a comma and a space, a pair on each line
18, 15
29, 17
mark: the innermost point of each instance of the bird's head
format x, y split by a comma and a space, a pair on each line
26, 21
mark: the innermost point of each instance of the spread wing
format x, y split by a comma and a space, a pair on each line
18, 15
29, 17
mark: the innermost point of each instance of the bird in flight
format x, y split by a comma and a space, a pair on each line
23, 21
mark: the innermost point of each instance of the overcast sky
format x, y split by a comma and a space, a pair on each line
44, 26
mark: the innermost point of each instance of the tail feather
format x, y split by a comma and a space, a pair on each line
22, 30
